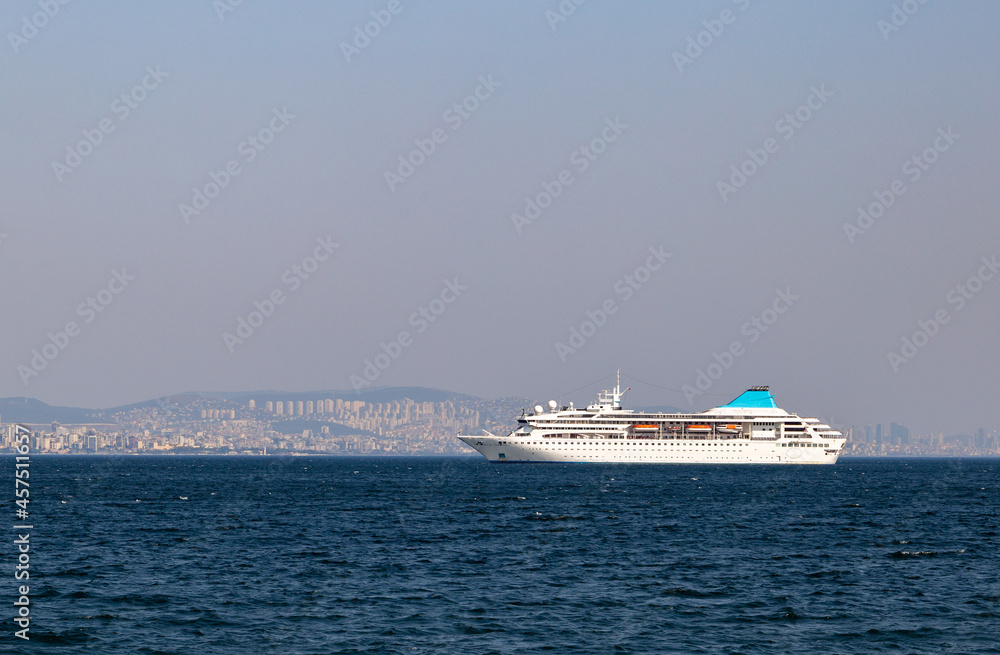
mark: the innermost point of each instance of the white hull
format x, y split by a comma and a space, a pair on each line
749, 430
642, 451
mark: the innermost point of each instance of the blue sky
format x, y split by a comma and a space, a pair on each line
544, 93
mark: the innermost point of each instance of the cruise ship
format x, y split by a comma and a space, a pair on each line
749, 430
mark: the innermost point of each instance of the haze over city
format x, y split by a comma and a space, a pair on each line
506, 200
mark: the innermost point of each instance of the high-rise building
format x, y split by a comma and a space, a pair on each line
899, 434
299, 407
279, 408
251, 405
269, 406
309, 407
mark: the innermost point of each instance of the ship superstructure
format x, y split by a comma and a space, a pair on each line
751, 429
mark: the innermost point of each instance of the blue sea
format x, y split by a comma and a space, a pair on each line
458, 555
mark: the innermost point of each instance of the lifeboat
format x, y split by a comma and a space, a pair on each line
646, 426
699, 427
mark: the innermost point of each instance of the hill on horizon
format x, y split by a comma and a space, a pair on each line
31, 410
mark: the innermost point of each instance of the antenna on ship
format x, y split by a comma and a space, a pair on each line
619, 394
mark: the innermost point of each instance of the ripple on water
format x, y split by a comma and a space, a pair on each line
363, 555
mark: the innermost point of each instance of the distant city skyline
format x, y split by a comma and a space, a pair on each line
880, 438
401, 426
330, 400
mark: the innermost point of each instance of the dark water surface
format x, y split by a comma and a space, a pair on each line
417, 555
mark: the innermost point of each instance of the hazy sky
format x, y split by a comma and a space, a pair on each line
481, 176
